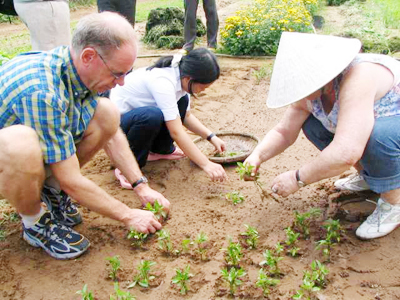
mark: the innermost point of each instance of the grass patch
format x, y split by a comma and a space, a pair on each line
143, 9
390, 12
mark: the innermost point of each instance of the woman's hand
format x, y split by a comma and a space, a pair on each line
218, 144
215, 171
255, 161
285, 184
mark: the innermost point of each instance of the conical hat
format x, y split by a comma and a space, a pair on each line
305, 63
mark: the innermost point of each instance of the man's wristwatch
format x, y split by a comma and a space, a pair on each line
299, 182
142, 179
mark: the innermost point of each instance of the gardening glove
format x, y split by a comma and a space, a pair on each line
285, 184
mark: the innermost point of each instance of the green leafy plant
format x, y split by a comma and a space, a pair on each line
251, 236
272, 259
264, 72
115, 266
319, 272
291, 240
307, 288
265, 282
185, 245
200, 241
164, 241
232, 277
3, 235
86, 295
333, 235
233, 253
138, 238
302, 221
157, 209
181, 279
245, 173
144, 276
121, 295
235, 197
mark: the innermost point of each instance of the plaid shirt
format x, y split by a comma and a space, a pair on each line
42, 90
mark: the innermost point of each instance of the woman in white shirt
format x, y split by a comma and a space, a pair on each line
154, 103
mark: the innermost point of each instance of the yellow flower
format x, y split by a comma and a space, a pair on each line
272, 28
239, 33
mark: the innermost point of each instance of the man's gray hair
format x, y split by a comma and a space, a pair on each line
106, 32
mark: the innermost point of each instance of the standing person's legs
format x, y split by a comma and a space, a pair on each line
141, 126
49, 27
163, 143
190, 26
106, 5
127, 8
210, 9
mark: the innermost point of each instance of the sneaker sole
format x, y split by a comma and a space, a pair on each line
38, 244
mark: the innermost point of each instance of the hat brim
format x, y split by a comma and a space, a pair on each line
305, 63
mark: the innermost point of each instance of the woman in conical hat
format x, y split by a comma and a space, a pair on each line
348, 106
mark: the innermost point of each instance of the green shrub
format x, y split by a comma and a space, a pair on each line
164, 28
257, 30
335, 2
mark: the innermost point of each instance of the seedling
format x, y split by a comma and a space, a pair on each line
199, 241
164, 241
157, 209
86, 295
333, 232
233, 253
251, 236
121, 295
291, 240
235, 197
265, 282
3, 235
245, 173
319, 272
232, 278
181, 279
138, 238
144, 276
185, 245
115, 266
302, 221
307, 288
228, 153
272, 259
9, 217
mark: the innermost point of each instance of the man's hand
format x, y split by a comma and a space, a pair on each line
215, 171
285, 184
142, 221
148, 195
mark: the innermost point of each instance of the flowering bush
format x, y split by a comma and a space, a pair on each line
257, 30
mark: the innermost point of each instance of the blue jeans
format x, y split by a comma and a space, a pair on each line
381, 157
146, 130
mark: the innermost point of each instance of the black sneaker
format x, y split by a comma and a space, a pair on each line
61, 206
57, 240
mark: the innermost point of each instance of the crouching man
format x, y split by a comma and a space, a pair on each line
52, 123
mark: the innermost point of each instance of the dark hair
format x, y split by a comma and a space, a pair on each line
200, 65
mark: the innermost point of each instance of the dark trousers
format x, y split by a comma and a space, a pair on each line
210, 9
126, 8
146, 130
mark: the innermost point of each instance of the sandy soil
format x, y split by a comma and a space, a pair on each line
358, 269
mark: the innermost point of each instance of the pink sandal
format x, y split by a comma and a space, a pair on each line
177, 154
124, 182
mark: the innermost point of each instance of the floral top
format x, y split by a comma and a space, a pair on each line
388, 105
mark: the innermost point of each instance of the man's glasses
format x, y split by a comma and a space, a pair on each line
116, 75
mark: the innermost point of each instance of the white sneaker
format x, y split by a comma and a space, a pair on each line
384, 219
354, 182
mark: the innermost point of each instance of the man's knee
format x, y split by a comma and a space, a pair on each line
19, 146
107, 117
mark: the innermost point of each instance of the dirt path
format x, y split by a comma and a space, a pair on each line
358, 270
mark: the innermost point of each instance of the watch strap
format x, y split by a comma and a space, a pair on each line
212, 134
299, 182
142, 179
